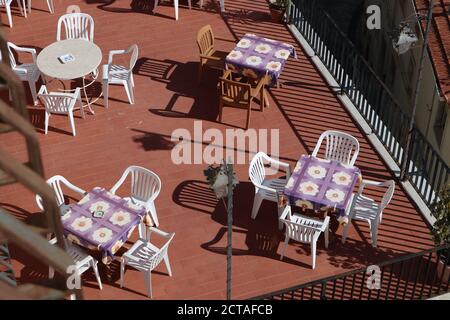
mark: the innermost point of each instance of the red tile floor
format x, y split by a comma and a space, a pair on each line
167, 98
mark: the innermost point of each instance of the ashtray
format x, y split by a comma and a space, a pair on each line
98, 214
66, 58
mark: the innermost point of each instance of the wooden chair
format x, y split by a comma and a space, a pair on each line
239, 95
209, 56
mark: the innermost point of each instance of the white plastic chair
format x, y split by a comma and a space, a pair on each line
76, 26
83, 261
118, 74
266, 189
175, 5
56, 182
145, 187
366, 209
26, 71
340, 146
60, 103
145, 257
305, 230
50, 6
7, 5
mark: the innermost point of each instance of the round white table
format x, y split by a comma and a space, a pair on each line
88, 57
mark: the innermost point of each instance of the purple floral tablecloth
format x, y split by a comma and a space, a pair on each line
108, 233
321, 184
255, 57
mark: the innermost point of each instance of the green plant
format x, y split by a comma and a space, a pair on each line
441, 227
280, 4
441, 211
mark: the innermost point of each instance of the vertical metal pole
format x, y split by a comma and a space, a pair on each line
229, 168
405, 158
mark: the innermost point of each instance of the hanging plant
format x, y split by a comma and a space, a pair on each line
217, 179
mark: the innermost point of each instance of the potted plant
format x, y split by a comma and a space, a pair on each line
441, 231
277, 9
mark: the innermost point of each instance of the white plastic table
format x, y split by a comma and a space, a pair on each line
88, 57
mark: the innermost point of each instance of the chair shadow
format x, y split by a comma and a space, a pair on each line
180, 78
262, 234
151, 141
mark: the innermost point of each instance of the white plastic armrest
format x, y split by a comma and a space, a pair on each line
76, 189
373, 183
260, 186
113, 53
119, 183
53, 241
159, 232
27, 50
21, 69
77, 93
39, 202
43, 90
105, 72
286, 213
365, 183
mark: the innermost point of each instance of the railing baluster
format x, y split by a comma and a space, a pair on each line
353, 286
444, 270
407, 264
426, 275
399, 279
381, 283
391, 269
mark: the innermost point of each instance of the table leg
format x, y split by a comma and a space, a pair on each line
266, 100
85, 95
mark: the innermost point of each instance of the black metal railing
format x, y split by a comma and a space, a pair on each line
415, 276
426, 170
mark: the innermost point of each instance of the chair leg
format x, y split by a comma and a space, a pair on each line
262, 100
47, 116
122, 271
313, 253
256, 204
51, 272
286, 241
8, 13
72, 123
345, 232
81, 107
148, 283
200, 71
97, 275
153, 214
129, 91
327, 234
374, 233
175, 4
220, 110
32, 86
142, 231
51, 8
189, 4
167, 262
105, 89
249, 110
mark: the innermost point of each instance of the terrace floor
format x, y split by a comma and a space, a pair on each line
167, 98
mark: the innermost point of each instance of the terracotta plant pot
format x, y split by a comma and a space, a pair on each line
276, 13
441, 265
